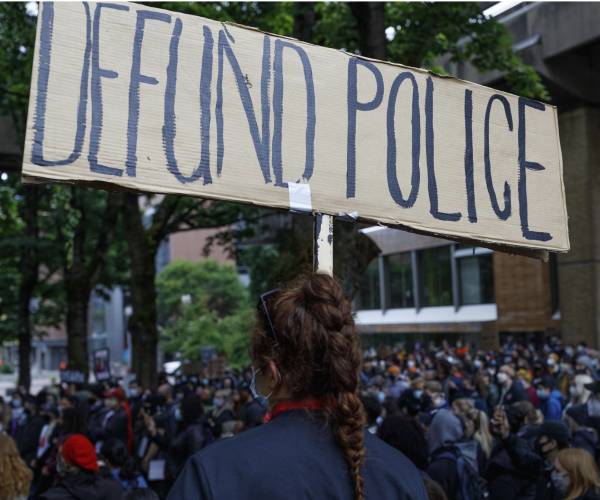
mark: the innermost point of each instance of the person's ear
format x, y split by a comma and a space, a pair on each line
273, 373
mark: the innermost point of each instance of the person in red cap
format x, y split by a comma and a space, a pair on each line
78, 468
118, 422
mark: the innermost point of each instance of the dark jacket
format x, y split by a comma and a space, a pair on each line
252, 414
552, 406
515, 394
114, 427
294, 457
444, 472
188, 442
585, 439
513, 470
85, 486
589, 495
28, 435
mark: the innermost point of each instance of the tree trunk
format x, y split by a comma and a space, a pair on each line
82, 272
77, 290
78, 299
304, 20
142, 323
370, 18
29, 267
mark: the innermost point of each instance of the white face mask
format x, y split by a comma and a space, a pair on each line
561, 481
255, 394
502, 378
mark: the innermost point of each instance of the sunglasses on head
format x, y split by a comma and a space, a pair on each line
263, 308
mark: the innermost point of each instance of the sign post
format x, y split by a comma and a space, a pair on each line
323, 244
125, 95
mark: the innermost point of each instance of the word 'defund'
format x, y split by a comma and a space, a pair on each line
163, 102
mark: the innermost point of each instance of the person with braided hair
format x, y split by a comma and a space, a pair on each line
306, 361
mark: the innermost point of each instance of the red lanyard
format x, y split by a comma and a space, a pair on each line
304, 404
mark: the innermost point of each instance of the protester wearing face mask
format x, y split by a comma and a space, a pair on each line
222, 413
551, 400
525, 378
511, 390
28, 430
552, 438
576, 475
583, 435
252, 412
415, 400
117, 422
194, 434
79, 479
306, 361
134, 395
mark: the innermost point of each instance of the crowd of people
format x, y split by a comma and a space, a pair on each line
521, 422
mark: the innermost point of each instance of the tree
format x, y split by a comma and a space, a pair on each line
145, 230
17, 31
204, 304
85, 222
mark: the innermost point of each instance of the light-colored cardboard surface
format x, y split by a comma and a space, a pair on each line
70, 39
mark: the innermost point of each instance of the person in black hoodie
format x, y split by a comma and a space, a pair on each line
29, 429
514, 466
583, 436
552, 438
194, 434
79, 478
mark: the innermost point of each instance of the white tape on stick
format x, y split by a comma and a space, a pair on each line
300, 198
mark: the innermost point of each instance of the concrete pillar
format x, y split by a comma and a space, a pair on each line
579, 270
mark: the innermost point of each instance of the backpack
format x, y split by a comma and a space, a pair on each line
471, 486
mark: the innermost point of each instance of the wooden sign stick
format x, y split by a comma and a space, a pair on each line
323, 244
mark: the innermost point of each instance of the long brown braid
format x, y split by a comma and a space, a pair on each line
318, 355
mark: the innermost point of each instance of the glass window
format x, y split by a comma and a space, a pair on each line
435, 276
399, 271
368, 294
476, 279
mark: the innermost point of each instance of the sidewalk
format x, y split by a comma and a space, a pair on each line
39, 379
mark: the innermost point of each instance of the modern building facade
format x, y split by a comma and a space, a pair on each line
425, 288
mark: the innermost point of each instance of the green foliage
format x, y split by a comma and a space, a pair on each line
17, 35
428, 31
6, 369
272, 17
218, 313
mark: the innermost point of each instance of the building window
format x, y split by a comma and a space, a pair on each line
435, 277
368, 296
400, 276
475, 276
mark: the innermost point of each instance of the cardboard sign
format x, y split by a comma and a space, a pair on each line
102, 364
141, 98
72, 376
